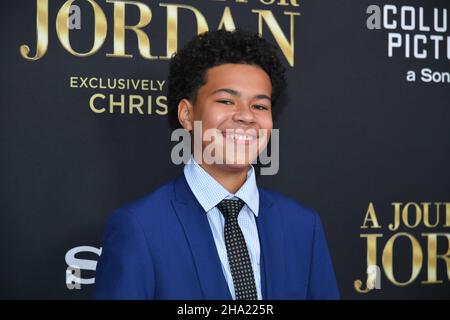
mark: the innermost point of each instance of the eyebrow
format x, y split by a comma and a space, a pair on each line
238, 94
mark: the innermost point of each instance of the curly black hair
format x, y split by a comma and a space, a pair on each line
189, 65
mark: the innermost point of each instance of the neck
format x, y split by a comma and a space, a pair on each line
231, 179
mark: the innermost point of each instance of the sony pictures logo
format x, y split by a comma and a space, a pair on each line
414, 33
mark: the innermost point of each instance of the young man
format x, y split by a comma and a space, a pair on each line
212, 233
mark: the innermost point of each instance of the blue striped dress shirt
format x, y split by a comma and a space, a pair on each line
209, 193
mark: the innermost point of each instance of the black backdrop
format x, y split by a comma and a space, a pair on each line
354, 132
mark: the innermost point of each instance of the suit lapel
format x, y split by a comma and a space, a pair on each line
270, 229
201, 241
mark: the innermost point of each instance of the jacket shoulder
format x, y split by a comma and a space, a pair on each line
150, 204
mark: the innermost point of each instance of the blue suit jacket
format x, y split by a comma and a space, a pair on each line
162, 247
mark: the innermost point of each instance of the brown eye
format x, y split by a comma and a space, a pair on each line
260, 107
227, 102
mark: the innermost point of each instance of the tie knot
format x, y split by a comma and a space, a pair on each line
230, 208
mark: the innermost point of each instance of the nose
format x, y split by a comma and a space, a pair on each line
244, 114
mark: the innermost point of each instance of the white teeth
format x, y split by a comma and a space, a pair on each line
240, 137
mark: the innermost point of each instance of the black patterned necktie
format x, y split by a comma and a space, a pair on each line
237, 252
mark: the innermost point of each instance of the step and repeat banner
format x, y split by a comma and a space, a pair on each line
364, 131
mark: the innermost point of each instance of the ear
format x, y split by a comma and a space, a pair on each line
185, 114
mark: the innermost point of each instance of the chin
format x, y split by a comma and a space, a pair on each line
236, 167
239, 163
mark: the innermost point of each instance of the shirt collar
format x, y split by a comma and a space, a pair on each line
209, 192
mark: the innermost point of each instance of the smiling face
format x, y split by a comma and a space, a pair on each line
234, 104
